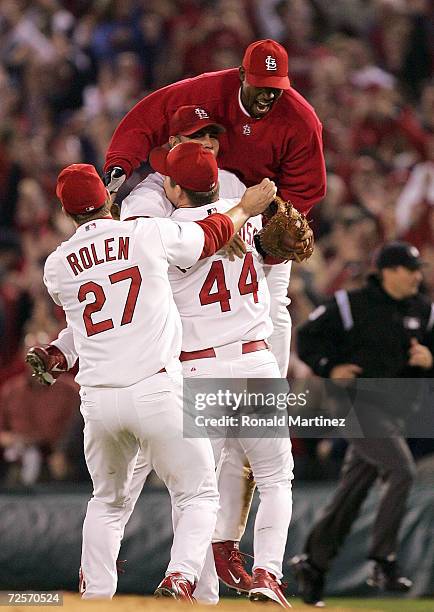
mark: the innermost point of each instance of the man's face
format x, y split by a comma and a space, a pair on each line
207, 137
258, 101
406, 282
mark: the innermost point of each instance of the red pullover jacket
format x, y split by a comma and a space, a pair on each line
285, 145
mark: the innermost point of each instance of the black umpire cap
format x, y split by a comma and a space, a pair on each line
395, 254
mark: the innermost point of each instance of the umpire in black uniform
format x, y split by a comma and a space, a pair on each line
384, 330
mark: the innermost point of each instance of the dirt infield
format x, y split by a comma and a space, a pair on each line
131, 603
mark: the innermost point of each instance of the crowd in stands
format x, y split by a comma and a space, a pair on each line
71, 69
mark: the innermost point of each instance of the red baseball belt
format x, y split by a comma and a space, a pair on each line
247, 347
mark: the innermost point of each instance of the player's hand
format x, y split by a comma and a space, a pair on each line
114, 178
235, 248
345, 370
420, 355
47, 363
256, 199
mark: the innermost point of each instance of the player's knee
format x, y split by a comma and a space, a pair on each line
409, 472
208, 499
403, 474
114, 500
281, 481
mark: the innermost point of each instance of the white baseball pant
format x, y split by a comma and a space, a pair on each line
233, 477
278, 281
271, 462
119, 422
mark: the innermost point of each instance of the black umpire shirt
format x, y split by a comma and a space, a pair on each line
369, 328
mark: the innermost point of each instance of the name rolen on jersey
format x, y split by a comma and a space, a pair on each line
111, 279
222, 301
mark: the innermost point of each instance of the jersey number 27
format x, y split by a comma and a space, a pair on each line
131, 274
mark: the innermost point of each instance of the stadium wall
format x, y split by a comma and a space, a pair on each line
40, 535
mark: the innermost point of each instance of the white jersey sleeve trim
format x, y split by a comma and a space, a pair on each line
50, 278
343, 303
65, 343
182, 242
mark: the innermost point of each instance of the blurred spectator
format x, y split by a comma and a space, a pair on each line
70, 70
347, 251
33, 419
415, 203
67, 461
15, 301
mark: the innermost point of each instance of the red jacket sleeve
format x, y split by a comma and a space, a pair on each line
144, 127
302, 176
218, 230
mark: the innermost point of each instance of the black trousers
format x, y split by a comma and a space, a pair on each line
366, 460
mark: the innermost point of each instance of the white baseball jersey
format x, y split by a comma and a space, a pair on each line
221, 301
111, 278
148, 198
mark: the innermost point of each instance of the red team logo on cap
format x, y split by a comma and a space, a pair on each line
202, 114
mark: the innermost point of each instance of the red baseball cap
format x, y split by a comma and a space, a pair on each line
266, 65
189, 164
80, 189
190, 119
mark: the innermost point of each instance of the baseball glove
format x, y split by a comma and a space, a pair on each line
287, 234
47, 363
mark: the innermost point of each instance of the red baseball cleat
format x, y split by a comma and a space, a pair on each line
47, 362
266, 588
229, 563
177, 587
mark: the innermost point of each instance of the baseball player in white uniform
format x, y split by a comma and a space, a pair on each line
235, 484
227, 303
192, 123
111, 280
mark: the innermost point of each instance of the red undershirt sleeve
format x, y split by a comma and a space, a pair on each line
218, 230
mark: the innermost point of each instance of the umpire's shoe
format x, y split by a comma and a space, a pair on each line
387, 576
310, 581
266, 589
177, 587
229, 563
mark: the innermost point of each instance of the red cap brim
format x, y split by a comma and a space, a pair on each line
158, 159
200, 125
275, 82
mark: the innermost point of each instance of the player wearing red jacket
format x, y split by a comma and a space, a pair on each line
271, 130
